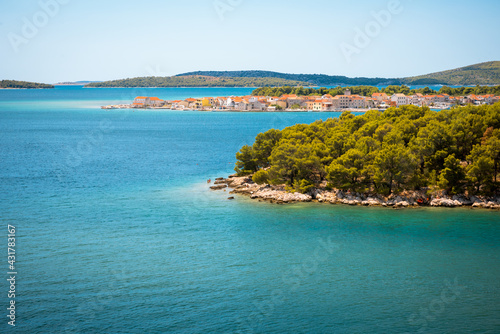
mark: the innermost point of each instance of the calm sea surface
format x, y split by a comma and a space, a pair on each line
117, 233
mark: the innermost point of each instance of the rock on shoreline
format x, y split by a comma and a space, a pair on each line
277, 194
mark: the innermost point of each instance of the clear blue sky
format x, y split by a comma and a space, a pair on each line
102, 40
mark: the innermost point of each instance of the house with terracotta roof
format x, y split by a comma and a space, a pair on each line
296, 101
282, 103
144, 102
310, 104
442, 98
140, 102
326, 105
318, 105
474, 99
156, 102
357, 102
175, 104
370, 103
183, 104
488, 99
243, 105
379, 97
416, 100
221, 101
259, 105
231, 102
344, 101
193, 103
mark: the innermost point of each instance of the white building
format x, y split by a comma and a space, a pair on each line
400, 99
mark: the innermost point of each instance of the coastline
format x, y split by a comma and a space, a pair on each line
126, 106
410, 199
28, 88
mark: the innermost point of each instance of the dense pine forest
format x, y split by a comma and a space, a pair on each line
406, 148
23, 84
369, 90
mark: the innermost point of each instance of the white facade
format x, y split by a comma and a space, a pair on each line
400, 99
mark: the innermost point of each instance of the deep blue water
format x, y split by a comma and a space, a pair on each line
118, 233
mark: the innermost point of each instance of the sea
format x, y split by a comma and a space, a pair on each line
113, 229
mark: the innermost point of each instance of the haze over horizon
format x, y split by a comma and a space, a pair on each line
63, 40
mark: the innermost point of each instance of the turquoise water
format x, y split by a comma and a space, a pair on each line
118, 233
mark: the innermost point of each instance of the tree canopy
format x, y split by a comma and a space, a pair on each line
406, 148
369, 90
23, 84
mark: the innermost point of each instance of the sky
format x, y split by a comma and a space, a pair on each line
71, 40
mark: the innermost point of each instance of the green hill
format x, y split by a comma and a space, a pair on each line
23, 84
199, 81
311, 79
478, 74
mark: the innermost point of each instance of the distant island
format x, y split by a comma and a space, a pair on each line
13, 84
309, 79
479, 74
197, 81
406, 156
487, 73
75, 83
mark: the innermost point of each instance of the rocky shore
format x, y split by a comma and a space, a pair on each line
277, 194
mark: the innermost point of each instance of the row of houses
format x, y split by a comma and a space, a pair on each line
313, 103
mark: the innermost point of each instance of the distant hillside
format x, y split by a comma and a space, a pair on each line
23, 84
479, 74
199, 81
75, 83
311, 79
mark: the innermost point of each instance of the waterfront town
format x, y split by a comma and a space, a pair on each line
347, 101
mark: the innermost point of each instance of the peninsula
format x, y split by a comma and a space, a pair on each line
406, 156
13, 84
197, 81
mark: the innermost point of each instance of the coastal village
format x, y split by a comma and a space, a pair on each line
347, 101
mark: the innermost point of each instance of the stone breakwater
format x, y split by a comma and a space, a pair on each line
278, 194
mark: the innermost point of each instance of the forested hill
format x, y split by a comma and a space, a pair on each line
23, 84
401, 149
478, 74
312, 79
370, 90
199, 81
